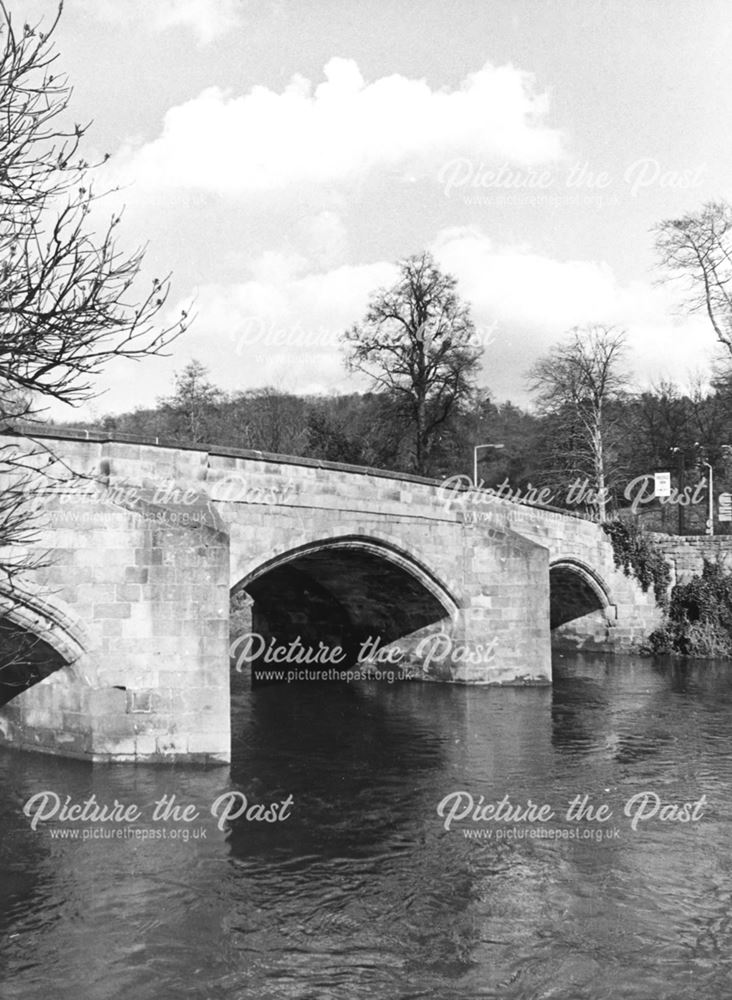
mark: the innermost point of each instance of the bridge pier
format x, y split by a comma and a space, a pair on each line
502, 635
151, 682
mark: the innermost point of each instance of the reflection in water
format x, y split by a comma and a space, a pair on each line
362, 892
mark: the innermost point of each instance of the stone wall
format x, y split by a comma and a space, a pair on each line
685, 554
152, 598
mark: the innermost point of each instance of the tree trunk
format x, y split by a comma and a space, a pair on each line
421, 443
599, 463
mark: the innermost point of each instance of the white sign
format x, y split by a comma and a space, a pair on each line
725, 506
662, 484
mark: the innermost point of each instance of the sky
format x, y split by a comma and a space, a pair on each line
280, 158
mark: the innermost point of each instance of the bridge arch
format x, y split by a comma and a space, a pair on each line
576, 590
37, 638
342, 591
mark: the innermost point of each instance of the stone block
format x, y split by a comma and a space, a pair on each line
139, 701
105, 701
115, 610
127, 592
73, 743
217, 744
202, 701
114, 748
175, 679
145, 745
119, 725
136, 574
96, 592
171, 745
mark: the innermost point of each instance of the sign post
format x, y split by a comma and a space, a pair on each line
725, 507
662, 484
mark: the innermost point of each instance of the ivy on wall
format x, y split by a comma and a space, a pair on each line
637, 556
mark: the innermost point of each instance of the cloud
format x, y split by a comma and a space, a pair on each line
281, 325
340, 130
208, 19
529, 301
325, 238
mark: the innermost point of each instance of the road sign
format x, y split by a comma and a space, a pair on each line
662, 484
725, 506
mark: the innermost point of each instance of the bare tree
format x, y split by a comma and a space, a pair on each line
277, 421
576, 384
697, 250
418, 343
663, 423
67, 304
69, 296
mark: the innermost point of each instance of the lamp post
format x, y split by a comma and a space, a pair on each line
710, 522
681, 472
476, 449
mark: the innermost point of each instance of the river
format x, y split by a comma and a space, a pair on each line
359, 890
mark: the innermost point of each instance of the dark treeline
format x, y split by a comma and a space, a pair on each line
359, 428
662, 429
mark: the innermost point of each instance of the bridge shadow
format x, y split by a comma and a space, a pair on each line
324, 606
25, 659
579, 607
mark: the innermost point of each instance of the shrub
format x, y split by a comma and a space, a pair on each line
699, 616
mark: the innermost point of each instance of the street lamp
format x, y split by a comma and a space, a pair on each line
476, 449
710, 522
681, 473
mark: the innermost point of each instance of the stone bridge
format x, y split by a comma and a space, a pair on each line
147, 547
